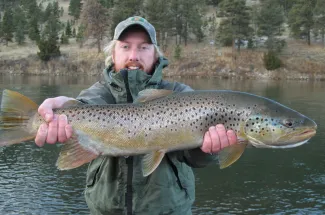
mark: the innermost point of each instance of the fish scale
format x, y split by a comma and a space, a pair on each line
161, 121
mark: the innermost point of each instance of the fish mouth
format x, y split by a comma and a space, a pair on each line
289, 140
295, 139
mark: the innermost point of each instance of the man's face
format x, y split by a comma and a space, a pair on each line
134, 51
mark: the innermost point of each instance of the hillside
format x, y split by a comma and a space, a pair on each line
300, 61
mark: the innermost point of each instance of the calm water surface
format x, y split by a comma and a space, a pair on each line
263, 181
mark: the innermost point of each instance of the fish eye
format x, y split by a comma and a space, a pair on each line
287, 123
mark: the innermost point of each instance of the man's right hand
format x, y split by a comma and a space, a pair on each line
57, 128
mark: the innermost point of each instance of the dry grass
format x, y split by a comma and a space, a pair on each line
300, 61
300, 57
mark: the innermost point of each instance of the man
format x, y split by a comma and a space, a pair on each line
115, 185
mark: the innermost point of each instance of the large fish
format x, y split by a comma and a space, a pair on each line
158, 122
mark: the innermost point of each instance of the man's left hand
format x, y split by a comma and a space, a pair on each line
218, 138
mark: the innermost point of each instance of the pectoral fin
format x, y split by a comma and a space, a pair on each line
230, 154
74, 155
151, 161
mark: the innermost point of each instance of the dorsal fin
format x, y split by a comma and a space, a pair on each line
152, 94
71, 103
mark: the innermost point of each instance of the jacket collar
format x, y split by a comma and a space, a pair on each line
138, 79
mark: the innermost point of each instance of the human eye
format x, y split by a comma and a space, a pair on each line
144, 47
124, 46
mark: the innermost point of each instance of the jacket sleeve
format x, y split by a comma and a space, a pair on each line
96, 94
195, 157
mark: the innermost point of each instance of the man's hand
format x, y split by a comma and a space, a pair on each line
218, 138
57, 128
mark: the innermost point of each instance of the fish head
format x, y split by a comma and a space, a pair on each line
277, 126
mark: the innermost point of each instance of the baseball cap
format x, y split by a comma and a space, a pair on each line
136, 20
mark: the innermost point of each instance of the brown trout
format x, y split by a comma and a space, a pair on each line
159, 121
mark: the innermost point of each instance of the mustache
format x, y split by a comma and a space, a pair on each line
133, 64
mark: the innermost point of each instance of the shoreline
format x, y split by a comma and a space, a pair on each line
246, 76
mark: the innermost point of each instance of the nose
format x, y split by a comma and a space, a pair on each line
134, 55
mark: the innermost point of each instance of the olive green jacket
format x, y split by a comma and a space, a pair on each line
115, 185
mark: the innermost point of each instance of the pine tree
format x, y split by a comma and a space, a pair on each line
192, 20
301, 20
33, 29
7, 26
56, 11
213, 2
124, 9
157, 11
225, 33
74, 32
107, 3
1, 31
34, 15
68, 31
48, 44
47, 12
270, 23
94, 18
285, 4
61, 11
319, 17
238, 20
80, 37
49, 48
19, 25
64, 38
75, 8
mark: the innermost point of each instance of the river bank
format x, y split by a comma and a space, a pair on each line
300, 62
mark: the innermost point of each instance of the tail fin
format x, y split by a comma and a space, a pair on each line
15, 113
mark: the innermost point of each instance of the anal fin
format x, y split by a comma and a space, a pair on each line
151, 161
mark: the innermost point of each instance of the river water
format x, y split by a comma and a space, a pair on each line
263, 181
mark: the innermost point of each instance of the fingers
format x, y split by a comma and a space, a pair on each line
63, 121
232, 138
41, 135
221, 130
68, 131
215, 139
206, 146
218, 138
58, 128
45, 109
52, 134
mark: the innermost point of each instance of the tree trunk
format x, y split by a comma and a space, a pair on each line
308, 37
98, 45
185, 34
323, 37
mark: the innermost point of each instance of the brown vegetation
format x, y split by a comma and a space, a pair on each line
299, 62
